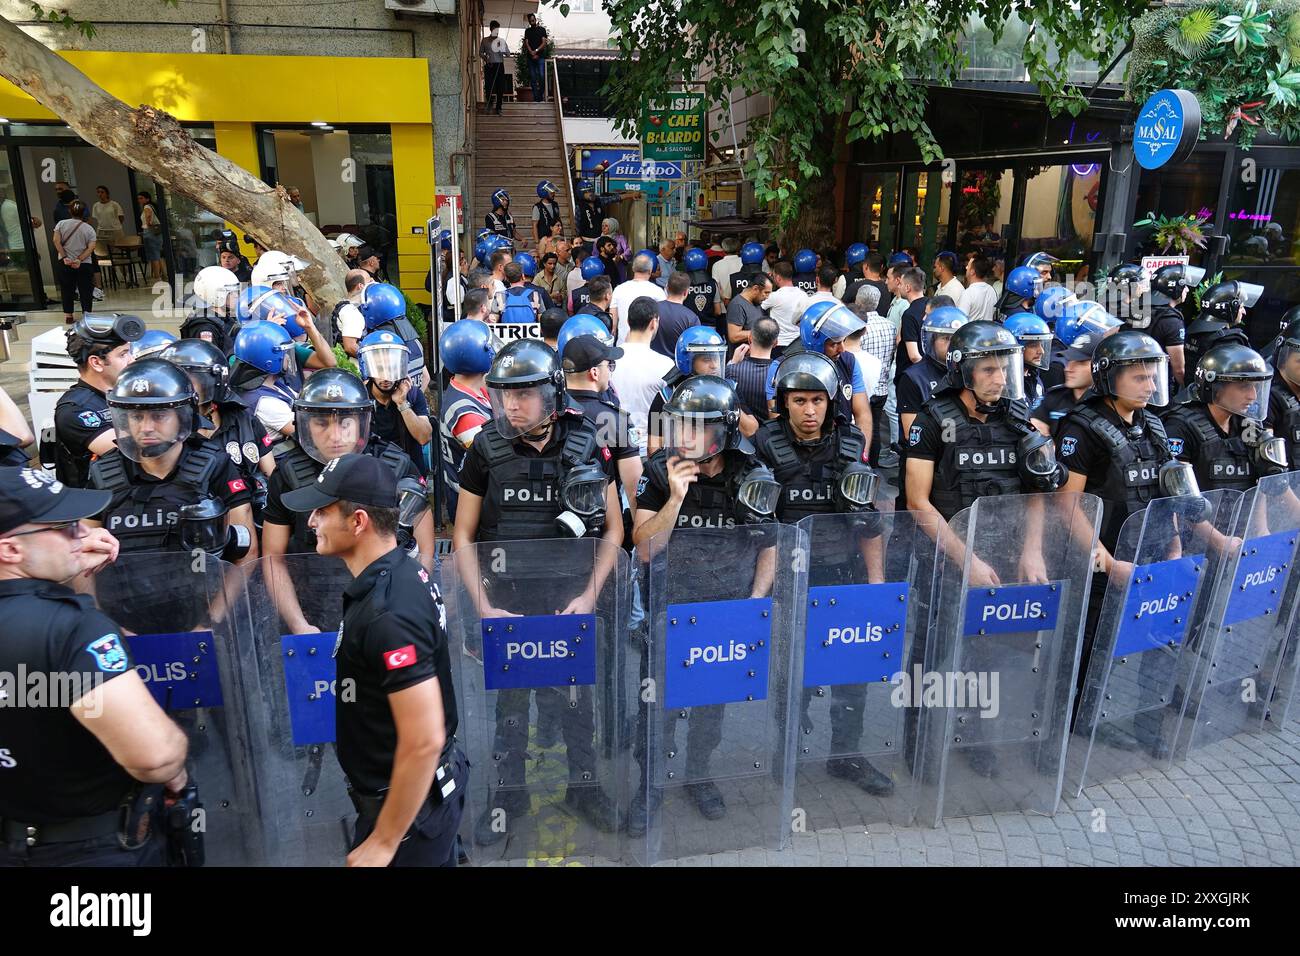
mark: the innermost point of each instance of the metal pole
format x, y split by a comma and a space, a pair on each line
432, 228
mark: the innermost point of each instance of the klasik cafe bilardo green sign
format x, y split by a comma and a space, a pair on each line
672, 127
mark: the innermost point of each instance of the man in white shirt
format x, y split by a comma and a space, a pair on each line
785, 305
945, 276
639, 373
980, 299
828, 277
351, 323
726, 267
628, 292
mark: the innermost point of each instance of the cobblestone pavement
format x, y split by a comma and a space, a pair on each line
1235, 802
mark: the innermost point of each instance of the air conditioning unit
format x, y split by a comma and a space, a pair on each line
422, 8
724, 209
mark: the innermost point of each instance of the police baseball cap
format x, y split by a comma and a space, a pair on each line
360, 479
1081, 350
230, 246
31, 496
583, 352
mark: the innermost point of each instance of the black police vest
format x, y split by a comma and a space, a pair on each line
501, 225
523, 494
145, 516
851, 287
701, 297
740, 280
1222, 462
808, 486
70, 465
548, 214
11, 453
983, 457
209, 327
1133, 476
806, 281
581, 297
1286, 423
846, 364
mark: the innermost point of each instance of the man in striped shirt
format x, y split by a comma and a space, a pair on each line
464, 410
752, 363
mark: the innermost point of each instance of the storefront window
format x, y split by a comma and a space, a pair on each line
878, 210
15, 262
1060, 217
1263, 224
985, 211
1179, 189
926, 205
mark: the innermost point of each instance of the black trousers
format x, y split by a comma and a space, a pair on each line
879, 428
77, 283
492, 76
103, 851
431, 840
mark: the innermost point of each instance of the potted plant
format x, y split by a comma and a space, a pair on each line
523, 85
1181, 233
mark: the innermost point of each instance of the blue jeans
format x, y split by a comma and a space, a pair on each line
537, 78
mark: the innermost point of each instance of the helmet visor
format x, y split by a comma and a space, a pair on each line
1142, 383
836, 323
150, 431
1037, 350
1250, 293
384, 363
207, 382
934, 341
141, 348
1092, 319
705, 358
1193, 275
1245, 397
327, 433
994, 376
1288, 362
518, 411
693, 437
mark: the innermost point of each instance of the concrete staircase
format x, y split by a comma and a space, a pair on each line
517, 150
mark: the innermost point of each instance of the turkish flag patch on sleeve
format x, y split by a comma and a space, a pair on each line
606, 453
237, 484
402, 657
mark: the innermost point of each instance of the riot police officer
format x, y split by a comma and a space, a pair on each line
1219, 431
265, 375
401, 412
546, 211
699, 351
213, 315
1035, 340
920, 380
1022, 286
538, 444
973, 438
233, 425
805, 271
384, 307
83, 428
823, 328
1223, 308
703, 298
818, 457
499, 219
1057, 401
751, 263
701, 478
163, 463
1284, 398
68, 766
1169, 289
331, 419
591, 269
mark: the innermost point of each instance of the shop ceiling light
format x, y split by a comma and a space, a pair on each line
319, 123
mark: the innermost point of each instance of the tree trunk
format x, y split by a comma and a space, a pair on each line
814, 224
152, 141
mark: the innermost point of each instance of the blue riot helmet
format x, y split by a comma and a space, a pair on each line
1025, 282
1052, 302
901, 259
382, 303
825, 321
383, 359
696, 260
501, 199
444, 239
751, 253
263, 345
1085, 318
1030, 331
697, 341
592, 266
468, 346
856, 254
481, 252
546, 189
151, 343
247, 299
805, 260
527, 263
582, 325
937, 328
482, 234
586, 186
1039, 260
260, 303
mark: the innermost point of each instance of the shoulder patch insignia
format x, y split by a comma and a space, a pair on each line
1068, 445
90, 419
1175, 446
641, 484
914, 435
109, 655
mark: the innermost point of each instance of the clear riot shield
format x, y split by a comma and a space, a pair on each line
1136, 682
181, 616
995, 695
1245, 658
866, 616
287, 664
720, 685
543, 694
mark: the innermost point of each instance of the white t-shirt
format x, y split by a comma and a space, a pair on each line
625, 295
273, 413
979, 302
351, 322
636, 378
108, 218
952, 288
723, 270
786, 305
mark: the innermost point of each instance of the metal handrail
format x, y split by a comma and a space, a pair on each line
558, 100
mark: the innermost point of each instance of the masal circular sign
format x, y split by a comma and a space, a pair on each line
1168, 126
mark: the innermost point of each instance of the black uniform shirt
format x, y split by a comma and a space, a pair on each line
393, 636
910, 388
613, 429
51, 767
80, 417
387, 423
1056, 403
11, 452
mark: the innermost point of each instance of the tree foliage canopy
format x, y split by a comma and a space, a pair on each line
859, 65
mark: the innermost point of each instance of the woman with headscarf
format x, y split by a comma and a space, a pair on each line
610, 228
